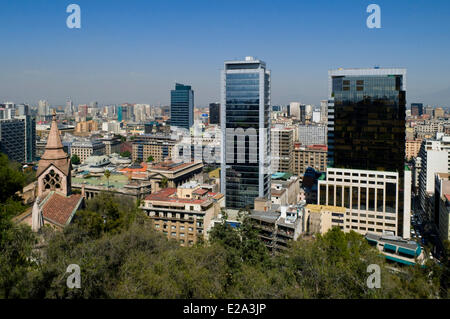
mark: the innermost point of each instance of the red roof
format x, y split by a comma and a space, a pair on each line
447, 196
59, 208
166, 195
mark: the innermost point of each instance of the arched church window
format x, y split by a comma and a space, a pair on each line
52, 180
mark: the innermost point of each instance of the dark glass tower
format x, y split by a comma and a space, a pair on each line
214, 113
366, 125
182, 106
245, 124
366, 128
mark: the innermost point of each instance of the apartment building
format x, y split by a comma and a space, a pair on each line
278, 225
85, 149
185, 213
281, 149
314, 156
112, 145
158, 146
412, 148
435, 158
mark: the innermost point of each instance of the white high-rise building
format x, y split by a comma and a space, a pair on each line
435, 158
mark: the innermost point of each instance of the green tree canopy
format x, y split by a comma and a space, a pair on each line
75, 159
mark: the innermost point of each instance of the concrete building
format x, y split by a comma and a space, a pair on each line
435, 158
85, 149
159, 146
314, 156
285, 189
321, 218
277, 225
312, 134
184, 213
86, 127
441, 204
371, 199
173, 174
112, 144
281, 149
412, 148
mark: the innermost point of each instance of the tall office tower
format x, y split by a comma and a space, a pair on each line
435, 158
245, 124
416, 109
182, 106
324, 111
294, 109
30, 137
367, 128
69, 107
22, 110
428, 110
366, 139
43, 108
12, 139
214, 113
83, 111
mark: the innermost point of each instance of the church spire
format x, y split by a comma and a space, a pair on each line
54, 154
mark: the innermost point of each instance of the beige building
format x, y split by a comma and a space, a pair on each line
112, 145
174, 174
412, 148
371, 200
320, 218
158, 146
314, 156
86, 127
85, 149
184, 213
282, 140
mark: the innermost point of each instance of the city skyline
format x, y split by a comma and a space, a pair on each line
136, 53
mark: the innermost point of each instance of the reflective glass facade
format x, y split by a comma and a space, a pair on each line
182, 106
245, 123
368, 127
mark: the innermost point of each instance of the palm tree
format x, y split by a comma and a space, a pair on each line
164, 182
107, 175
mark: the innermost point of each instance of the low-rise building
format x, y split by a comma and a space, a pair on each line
85, 149
277, 225
171, 174
184, 213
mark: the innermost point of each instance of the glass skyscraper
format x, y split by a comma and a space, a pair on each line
366, 120
366, 134
182, 106
245, 124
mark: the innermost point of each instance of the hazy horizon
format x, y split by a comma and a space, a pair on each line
135, 51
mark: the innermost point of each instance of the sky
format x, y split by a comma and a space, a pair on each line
134, 51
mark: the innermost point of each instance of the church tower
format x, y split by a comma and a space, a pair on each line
54, 168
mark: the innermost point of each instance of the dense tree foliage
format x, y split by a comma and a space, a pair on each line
125, 154
121, 256
75, 159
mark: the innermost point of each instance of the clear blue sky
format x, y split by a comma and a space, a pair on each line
134, 51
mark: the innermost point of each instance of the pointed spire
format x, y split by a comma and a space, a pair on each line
54, 151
